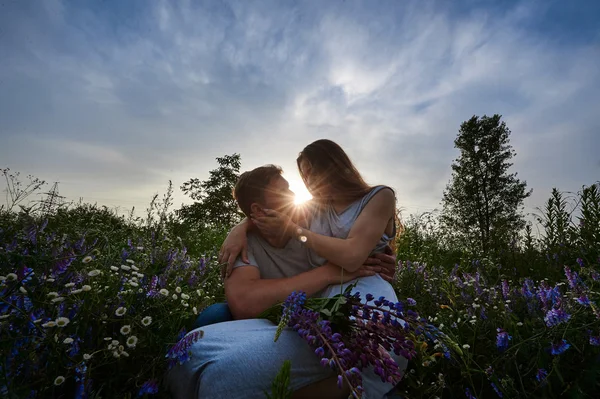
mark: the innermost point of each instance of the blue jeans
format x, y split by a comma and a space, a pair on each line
216, 313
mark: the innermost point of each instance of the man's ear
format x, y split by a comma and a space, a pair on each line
257, 210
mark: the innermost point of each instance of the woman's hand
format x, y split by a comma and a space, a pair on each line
337, 275
235, 244
274, 224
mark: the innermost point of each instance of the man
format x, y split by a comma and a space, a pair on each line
239, 358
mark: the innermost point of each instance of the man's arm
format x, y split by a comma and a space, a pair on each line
248, 295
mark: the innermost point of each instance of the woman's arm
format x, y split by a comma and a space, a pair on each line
235, 244
350, 253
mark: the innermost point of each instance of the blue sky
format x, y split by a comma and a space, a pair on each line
114, 98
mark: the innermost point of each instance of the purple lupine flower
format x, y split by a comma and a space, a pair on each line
149, 387
502, 338
555, 317
468, 394
411, 302
594, 340
580, 262
541, 375
496, 389
560, 347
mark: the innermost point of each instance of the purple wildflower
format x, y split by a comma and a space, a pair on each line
594, 340
497, 390
505, 289
572, 277
541, 375
149, 387
580, 262
502, 339
468, 394
583, 300
180, 352
560, 347
411, 302
555, 317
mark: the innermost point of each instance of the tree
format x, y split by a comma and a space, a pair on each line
482, 203
215, 207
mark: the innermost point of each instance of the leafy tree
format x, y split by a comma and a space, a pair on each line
215, 206
482, 203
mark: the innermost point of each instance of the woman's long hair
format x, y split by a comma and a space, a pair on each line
331, 168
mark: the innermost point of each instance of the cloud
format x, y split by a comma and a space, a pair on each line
128, 95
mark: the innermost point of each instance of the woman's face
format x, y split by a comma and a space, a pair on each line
315, 185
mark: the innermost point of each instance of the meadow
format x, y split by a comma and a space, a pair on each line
94, 304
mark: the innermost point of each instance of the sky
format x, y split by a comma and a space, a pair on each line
113, 99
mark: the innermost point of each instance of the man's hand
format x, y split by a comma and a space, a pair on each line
386, 263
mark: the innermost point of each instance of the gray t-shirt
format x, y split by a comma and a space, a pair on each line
272, 262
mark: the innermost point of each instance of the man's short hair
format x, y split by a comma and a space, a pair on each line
250, 187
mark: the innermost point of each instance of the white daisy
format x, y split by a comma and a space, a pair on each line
125, 267
11, 276
178, 290
120, 311
131, 261
146, 321
62, 321
135, 268
94, 273
466, 346
114, 268
69, 285
23, 290
77, 291
87, 356
123, 353
185, 296
174, 296
133, 284
87, 259
68, 341
164, 291
132, 341
57, 299
126, 329
195, 310
59, 380
86, 288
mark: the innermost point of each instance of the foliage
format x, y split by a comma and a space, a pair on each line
511, 312
215, 207
482, 203
122, 305
280, 387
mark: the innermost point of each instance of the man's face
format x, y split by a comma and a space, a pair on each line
278, 196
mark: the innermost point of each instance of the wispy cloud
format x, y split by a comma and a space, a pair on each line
116, 98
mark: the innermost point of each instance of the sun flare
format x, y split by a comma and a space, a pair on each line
300, 191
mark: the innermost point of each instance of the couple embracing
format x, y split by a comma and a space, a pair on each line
339, 238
